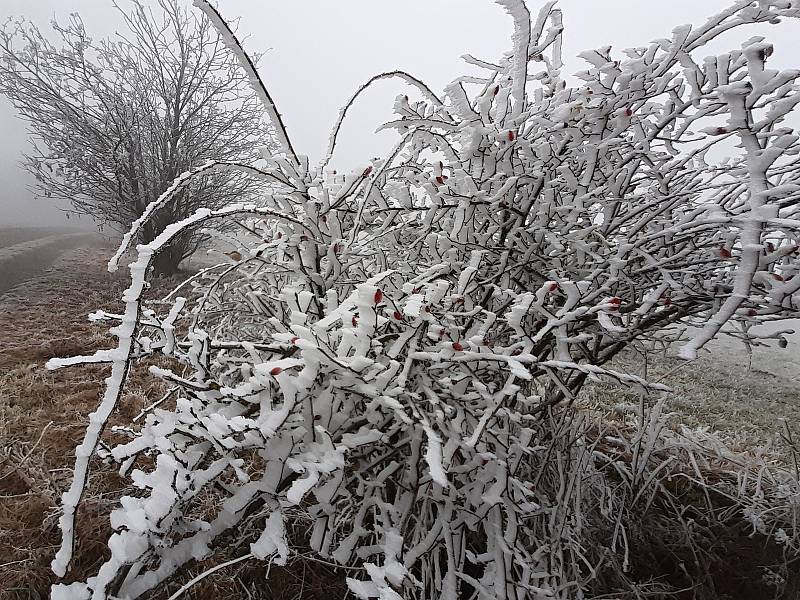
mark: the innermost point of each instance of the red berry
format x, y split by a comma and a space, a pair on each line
275, 371
378, 296
511, 136
294, 340
777, 277
496, 90
354, 321
553, 286
628, 112
457, 347
367, 171
724, 252
439, 180
516, 352
752, 312
770, 247
398, 315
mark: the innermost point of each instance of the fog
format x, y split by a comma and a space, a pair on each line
316, 52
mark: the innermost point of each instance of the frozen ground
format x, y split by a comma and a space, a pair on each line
10, 236
30, 257
48, 288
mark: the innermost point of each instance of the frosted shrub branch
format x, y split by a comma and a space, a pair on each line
384, 358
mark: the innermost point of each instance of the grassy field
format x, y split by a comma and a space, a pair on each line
42, 416
9, 236
747, 408
42, 413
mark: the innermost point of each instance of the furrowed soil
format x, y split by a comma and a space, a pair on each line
43, 314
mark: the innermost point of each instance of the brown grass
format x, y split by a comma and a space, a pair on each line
42, 417
695, 542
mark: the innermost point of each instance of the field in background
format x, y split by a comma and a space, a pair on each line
745, 404
42, 414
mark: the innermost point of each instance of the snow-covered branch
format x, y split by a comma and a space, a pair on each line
383, 356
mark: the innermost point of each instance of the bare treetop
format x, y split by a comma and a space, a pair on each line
115, 121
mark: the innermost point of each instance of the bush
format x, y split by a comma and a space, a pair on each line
387, 362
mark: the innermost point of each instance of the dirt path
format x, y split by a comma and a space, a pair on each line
30, 258
10, 236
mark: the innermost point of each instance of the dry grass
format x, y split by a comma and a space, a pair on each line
746, 408
42, 416
700, 540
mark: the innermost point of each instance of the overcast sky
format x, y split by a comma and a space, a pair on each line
318, 51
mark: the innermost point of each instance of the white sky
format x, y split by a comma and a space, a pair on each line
319, 51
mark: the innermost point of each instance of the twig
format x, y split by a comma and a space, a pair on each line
30, 452
205, 574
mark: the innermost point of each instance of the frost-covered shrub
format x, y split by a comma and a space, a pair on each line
383, 355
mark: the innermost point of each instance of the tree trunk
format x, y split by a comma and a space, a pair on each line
167, 261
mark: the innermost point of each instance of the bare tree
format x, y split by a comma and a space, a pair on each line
114, 122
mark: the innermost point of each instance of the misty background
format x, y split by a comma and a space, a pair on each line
317, 52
